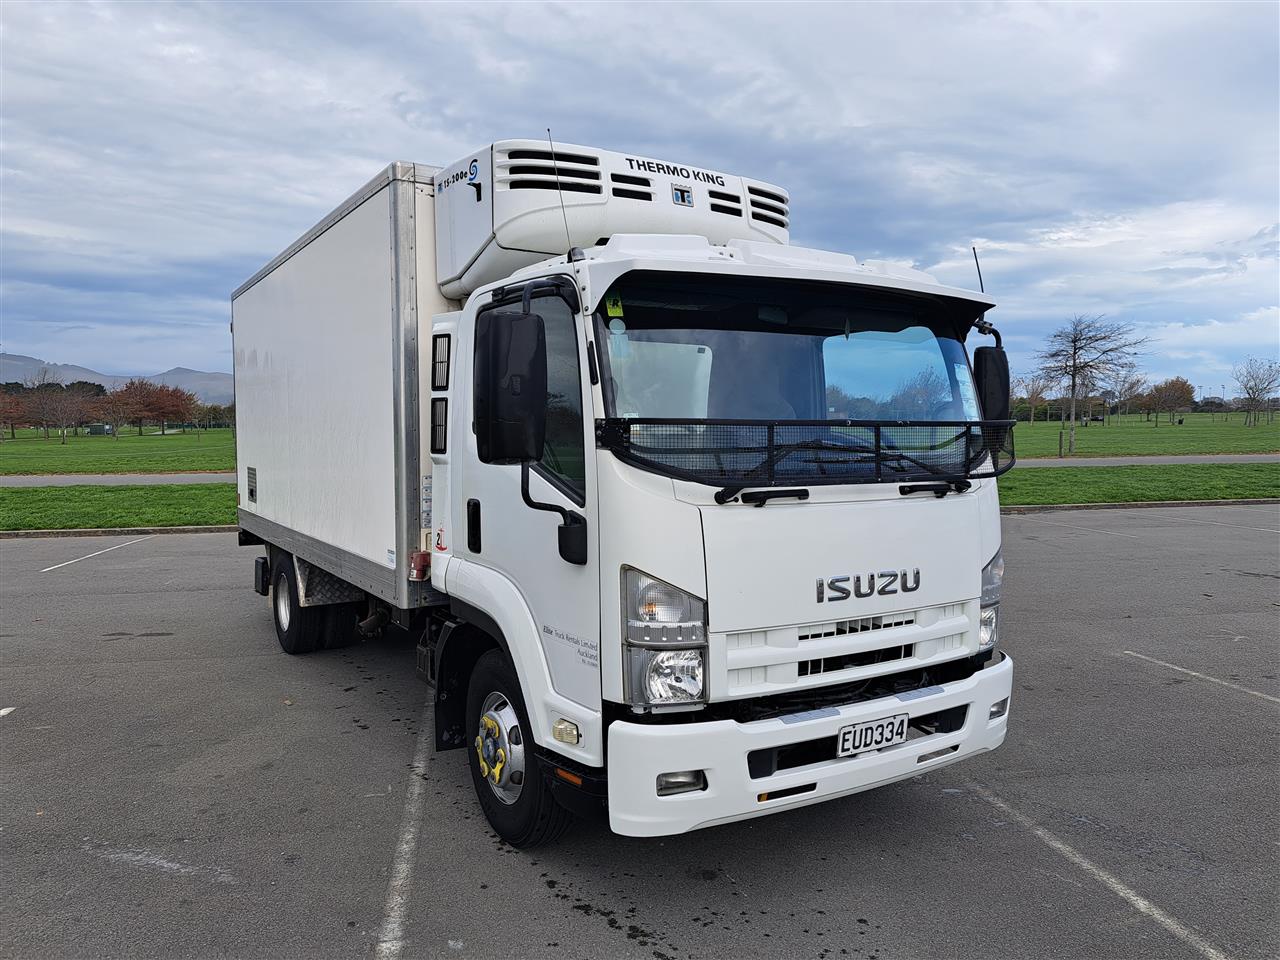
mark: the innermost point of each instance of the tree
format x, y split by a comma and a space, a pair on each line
118, 407
1035, 387
13, 406
1258, 380
140, 397
12, 409
1172, 395
81, 397
43, 398
1129, 386
1085, 352
173, 405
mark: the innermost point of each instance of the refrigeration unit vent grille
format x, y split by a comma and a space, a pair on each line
769, 207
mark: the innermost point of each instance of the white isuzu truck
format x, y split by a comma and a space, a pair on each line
689, 524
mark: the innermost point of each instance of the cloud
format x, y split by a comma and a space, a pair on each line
1106, 158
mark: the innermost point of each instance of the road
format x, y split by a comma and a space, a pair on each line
174, 786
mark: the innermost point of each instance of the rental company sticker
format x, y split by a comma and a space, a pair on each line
586, 651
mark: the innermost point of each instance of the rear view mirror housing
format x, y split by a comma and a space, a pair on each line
510, 386
991, 376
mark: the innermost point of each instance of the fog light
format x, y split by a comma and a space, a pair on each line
683, 781
998, 710
566, 731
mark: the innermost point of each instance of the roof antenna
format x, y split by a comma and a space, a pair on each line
574, 253
982, 325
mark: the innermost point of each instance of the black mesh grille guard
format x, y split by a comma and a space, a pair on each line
767, 453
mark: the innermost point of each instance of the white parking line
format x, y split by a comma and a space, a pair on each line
1111, 882
391, 934
1219, 523
1070, 526
1204, 676
97, 554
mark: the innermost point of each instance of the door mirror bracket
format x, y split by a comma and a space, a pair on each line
572, 534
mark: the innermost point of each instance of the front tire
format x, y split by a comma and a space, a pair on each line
505, 769
299, 629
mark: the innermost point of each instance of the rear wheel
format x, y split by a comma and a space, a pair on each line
505, 769
340, 621
299, 629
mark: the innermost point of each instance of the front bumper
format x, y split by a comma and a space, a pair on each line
638, 753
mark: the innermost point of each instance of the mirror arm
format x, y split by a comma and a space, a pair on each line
572, 535
982, 326
565, 513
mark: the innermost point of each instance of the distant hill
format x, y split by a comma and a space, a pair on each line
209, 387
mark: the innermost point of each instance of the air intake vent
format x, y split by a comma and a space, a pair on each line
567, 187
808, 668
636, 188
560, 157
843, 628
769, 207
729, 204
528, 169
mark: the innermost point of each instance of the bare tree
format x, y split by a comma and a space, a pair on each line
44, 398
1035, 388
1085, 352
1258, 380
1129, 386
117, 408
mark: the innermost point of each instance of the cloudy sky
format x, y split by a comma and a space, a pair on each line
1120, 158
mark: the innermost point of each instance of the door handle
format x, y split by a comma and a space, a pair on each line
473, 526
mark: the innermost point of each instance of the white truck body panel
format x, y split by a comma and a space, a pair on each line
294, 344
327, 380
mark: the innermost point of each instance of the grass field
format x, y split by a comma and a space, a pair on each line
1133, 436
178, 505
150, 453
1202, 481
92, 507
214, 450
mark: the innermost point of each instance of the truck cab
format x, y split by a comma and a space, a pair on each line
708, 522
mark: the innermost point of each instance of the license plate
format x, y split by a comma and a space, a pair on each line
872, 735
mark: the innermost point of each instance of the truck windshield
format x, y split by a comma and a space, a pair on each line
716, 348
748, 382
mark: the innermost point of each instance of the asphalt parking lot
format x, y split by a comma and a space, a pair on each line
172, 785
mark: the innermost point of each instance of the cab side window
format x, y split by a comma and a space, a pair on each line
564, 454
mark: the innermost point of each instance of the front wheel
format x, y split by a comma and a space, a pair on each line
505, 770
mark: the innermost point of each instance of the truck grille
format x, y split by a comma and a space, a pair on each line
844, 627
761, 662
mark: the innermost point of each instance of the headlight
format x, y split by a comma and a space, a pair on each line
989, 619
664, 632
993, 579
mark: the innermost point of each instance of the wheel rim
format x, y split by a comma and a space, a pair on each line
282, 604
499, 745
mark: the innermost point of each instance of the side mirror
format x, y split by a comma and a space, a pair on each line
510, 386
991, 373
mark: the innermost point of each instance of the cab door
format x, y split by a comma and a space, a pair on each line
495, 526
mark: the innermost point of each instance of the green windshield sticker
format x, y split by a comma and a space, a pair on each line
613, 306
